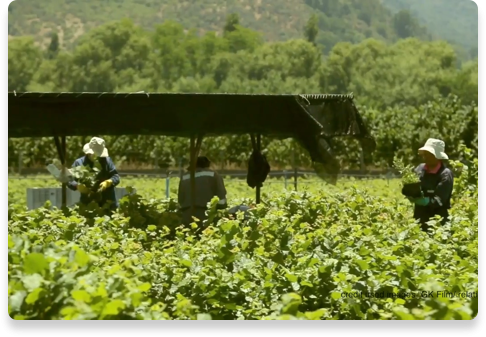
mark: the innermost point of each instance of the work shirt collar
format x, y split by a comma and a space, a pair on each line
433, 170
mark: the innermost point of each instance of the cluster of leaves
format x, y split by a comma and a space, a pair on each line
467, 171
87, 175
407, 171
293, 258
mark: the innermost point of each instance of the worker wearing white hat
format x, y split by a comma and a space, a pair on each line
437, 182
108, 178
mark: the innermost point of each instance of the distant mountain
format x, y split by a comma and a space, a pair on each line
453, 20
339, 20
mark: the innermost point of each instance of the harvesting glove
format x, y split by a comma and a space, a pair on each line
422, 201
105, 184
83, 189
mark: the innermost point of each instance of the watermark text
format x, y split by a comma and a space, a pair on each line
411, 294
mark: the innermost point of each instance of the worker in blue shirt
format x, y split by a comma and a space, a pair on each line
108, 177
437, 182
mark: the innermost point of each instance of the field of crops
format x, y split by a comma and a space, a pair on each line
351, 251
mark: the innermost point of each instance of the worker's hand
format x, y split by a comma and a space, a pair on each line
422, 201
83, 189
105, 184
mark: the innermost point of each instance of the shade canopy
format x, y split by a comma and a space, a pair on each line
310, 119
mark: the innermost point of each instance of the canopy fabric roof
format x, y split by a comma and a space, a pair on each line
311, 119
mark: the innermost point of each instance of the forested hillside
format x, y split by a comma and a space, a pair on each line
452, 20
339, 20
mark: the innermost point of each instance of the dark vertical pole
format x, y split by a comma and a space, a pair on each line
181, 171
295, 168
259, 149
295, 179
61, 151
63, 162
192, 167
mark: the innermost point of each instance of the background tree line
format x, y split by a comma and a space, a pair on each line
407, 91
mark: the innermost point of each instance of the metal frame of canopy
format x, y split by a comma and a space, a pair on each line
297, 107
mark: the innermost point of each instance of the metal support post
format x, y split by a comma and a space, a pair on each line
259, 148
61, 151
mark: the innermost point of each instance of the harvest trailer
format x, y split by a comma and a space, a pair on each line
312, 120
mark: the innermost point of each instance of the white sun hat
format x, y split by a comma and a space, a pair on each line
436, 147
97, 145
87, 149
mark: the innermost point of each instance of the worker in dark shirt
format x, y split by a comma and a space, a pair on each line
208, 184
436, 182
96, 151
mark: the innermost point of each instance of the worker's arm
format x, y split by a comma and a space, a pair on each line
443, 190
73, 184
220, 191
112, 172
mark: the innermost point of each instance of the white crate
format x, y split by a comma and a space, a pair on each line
36, 197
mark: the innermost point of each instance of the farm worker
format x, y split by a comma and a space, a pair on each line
208, 185
108, 178
436, 182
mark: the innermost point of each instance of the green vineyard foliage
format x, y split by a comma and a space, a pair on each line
350, 251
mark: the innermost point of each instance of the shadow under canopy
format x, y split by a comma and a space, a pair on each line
312, 120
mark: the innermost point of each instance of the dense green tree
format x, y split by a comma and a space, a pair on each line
232, 21
311, 29
405, 24
24, 59
53, 48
